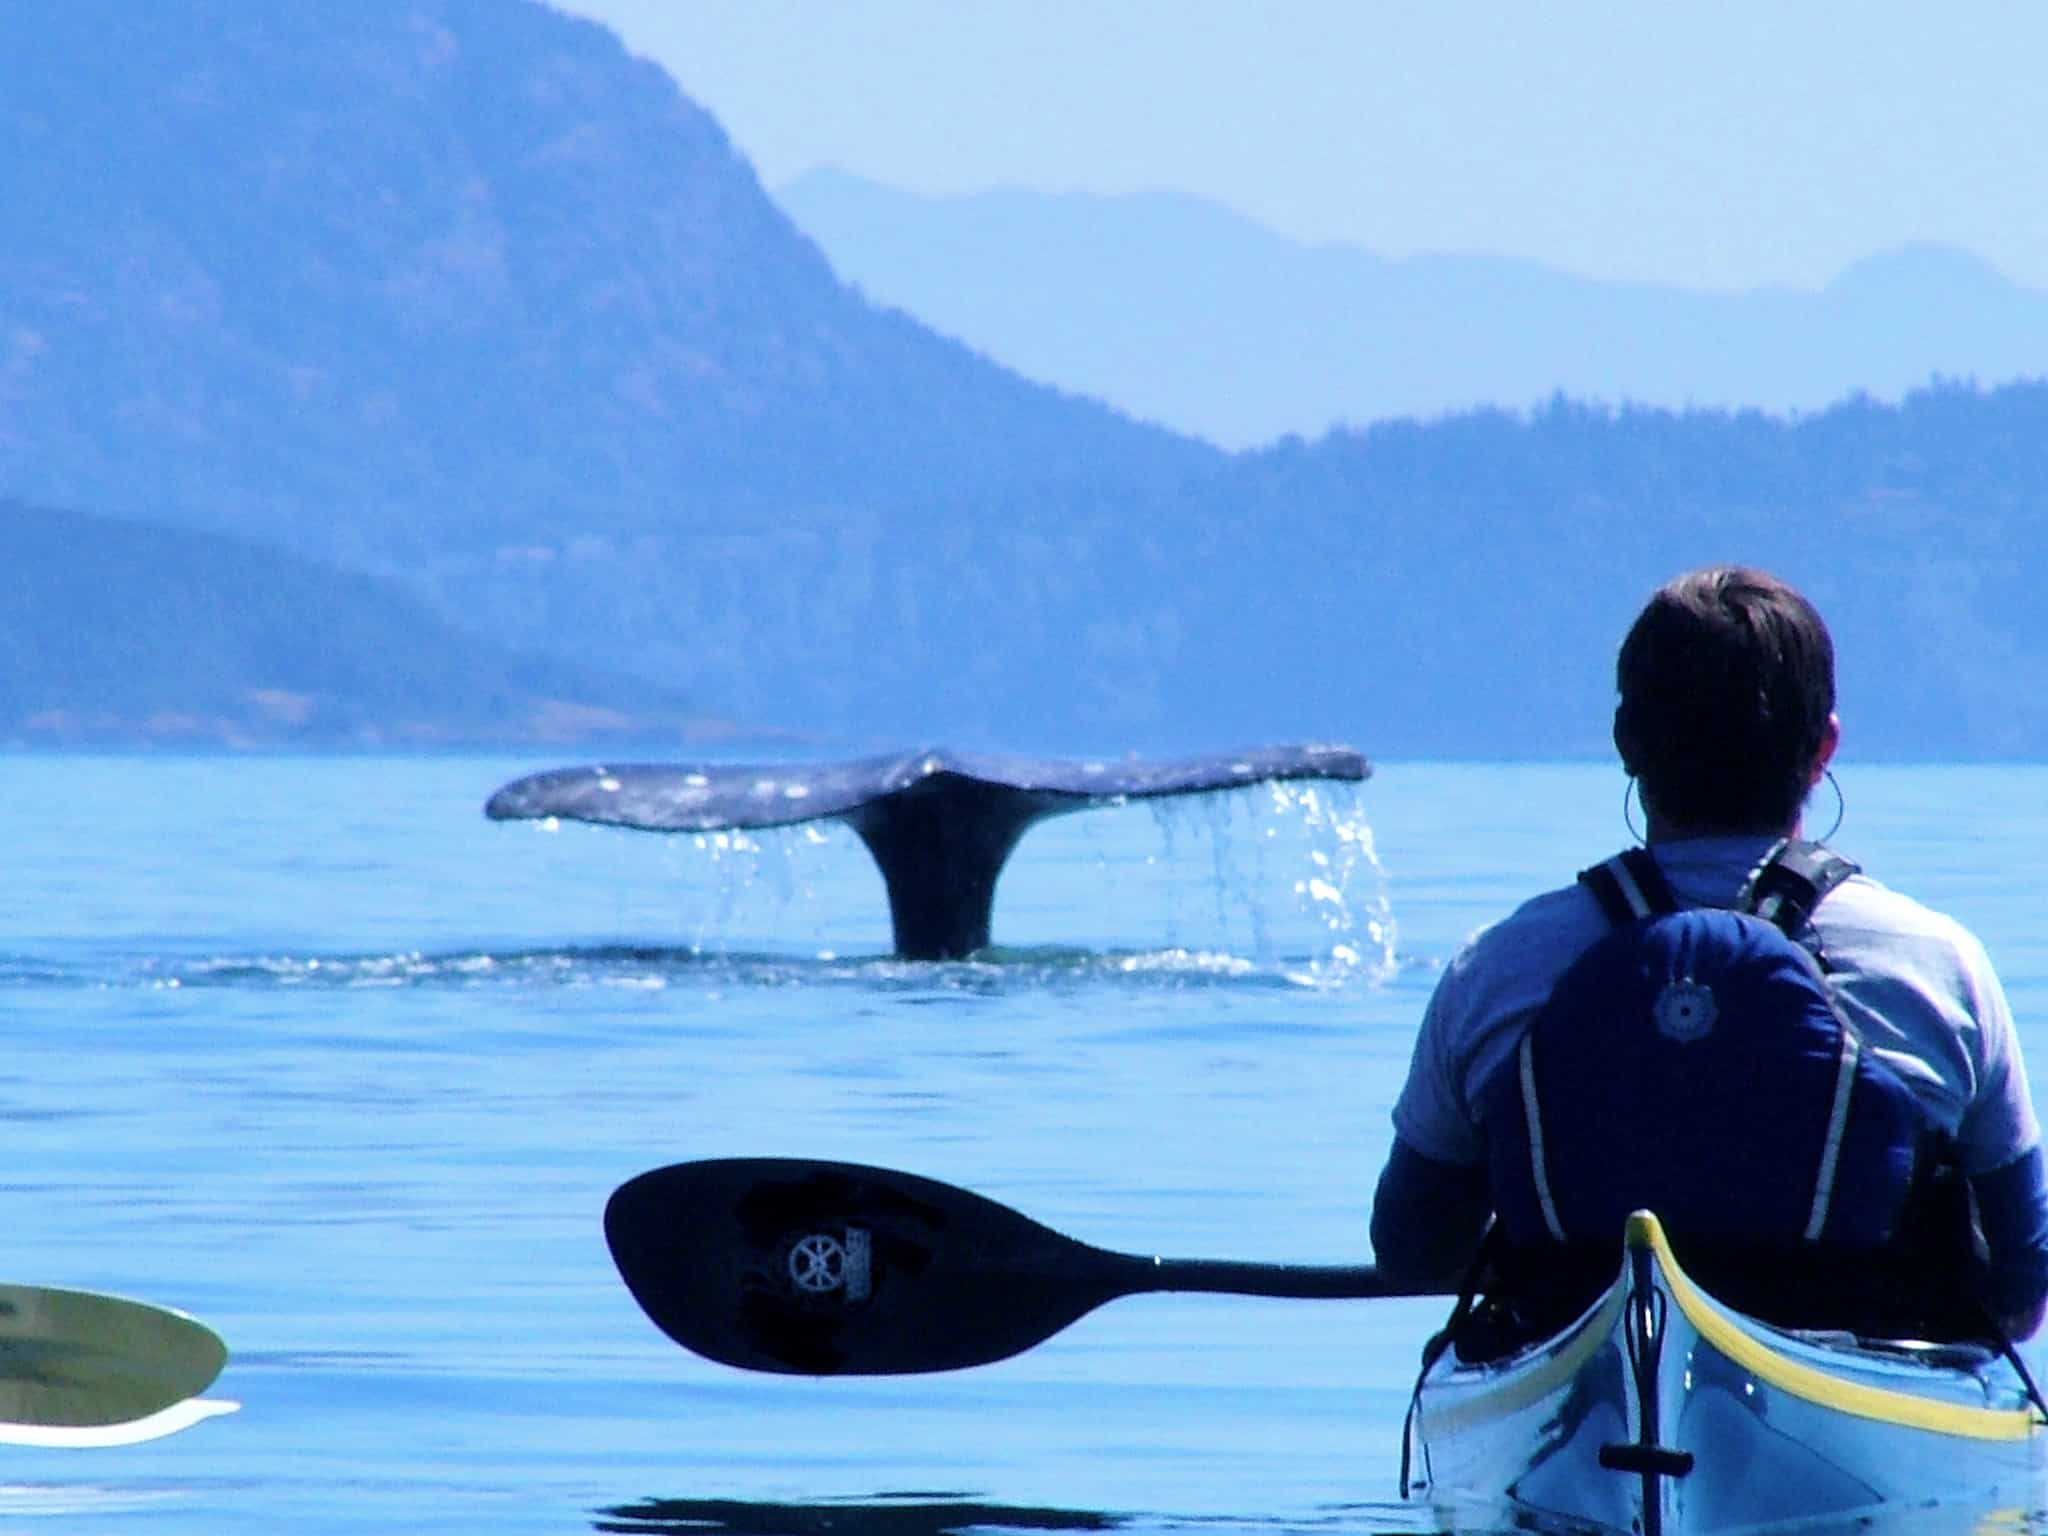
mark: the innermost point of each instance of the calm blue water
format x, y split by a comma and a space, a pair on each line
310, 1049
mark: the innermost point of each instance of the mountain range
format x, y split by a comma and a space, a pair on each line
404, 371
1183, 312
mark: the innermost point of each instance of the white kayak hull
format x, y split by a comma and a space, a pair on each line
1662, 1412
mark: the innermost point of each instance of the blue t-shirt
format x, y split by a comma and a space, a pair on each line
1916, 985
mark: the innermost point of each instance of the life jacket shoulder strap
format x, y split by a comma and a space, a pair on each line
1789, 882
1783, 889
1629, 886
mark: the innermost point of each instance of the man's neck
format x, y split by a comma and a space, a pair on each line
1661, 830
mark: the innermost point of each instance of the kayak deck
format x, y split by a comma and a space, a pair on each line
1661, 1411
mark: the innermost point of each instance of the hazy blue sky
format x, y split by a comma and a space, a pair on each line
1714, 144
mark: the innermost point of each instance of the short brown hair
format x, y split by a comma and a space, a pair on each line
1727, 680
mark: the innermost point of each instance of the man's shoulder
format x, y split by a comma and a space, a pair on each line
1497, 978
1866, 903
1548, 929
1866, 925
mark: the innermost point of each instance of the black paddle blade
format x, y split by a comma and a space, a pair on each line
822, 1269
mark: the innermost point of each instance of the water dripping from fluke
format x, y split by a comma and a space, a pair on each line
1312, 841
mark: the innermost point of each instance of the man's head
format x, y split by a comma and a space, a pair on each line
1726, 717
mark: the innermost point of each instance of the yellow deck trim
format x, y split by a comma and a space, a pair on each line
1817, 1386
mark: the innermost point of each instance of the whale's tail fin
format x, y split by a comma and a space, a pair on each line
939, 824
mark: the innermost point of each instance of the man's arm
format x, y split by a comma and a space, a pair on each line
2012, 1205
1427, 1219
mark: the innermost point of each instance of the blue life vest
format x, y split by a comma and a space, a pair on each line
1693, 1062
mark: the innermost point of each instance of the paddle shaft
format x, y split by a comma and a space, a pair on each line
1335, 1282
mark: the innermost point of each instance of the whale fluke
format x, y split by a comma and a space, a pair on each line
939, 824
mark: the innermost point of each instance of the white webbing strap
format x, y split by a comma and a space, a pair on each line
1625, 881
1831, 1149
1537, 1170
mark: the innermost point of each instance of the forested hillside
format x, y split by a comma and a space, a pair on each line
1460, 586
117, 633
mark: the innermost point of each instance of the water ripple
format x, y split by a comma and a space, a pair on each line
654, 967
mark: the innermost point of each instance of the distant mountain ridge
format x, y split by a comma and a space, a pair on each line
1182, 312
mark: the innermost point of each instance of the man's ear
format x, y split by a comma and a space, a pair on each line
1624, 744
1824, 753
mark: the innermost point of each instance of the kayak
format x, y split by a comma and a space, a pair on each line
1661, 1411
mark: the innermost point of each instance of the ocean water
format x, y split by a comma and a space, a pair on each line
306, 1047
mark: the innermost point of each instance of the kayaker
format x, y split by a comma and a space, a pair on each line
1725, 723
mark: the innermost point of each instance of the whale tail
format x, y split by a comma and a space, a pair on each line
940, 825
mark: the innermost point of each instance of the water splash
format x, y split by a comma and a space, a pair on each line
1346, 888
1314, 842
